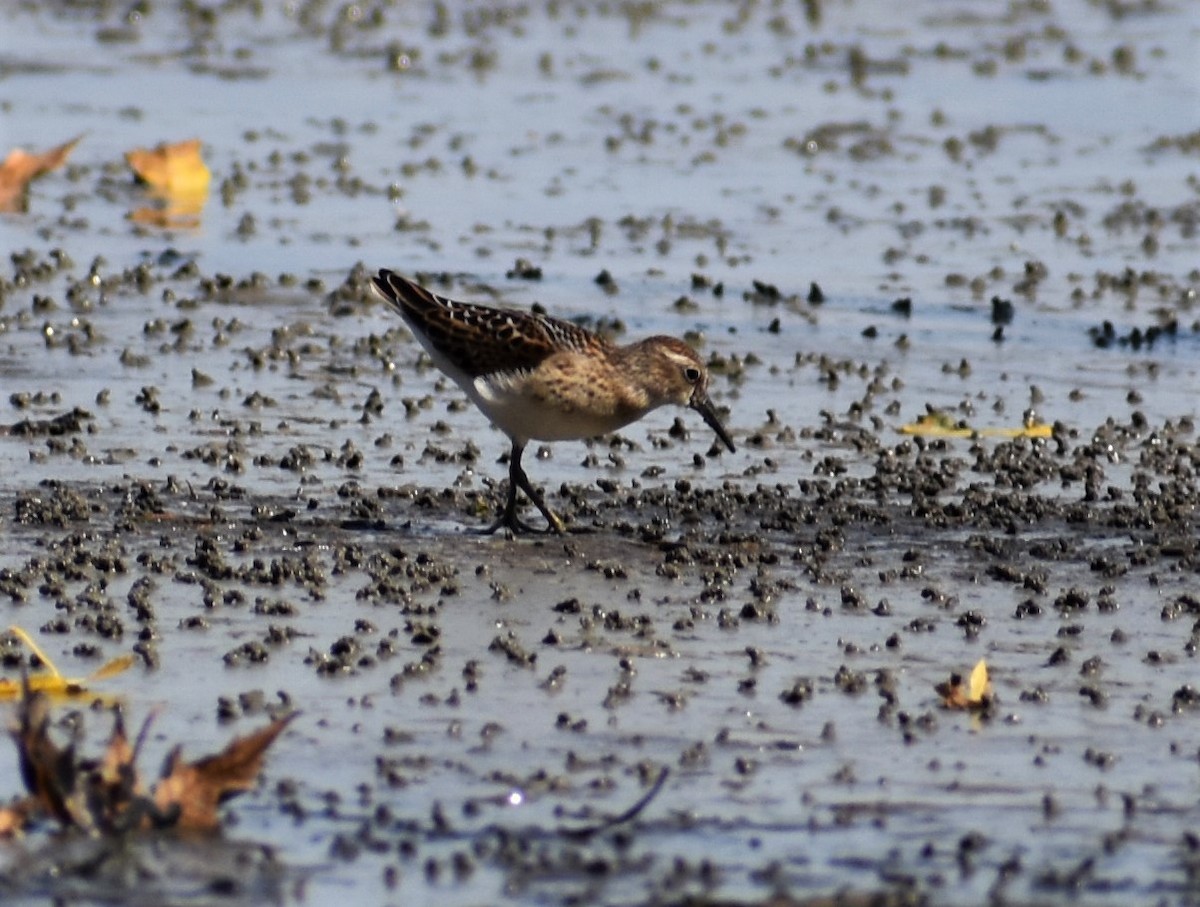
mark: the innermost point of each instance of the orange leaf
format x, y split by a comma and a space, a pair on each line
177, 170
196, 789
21, 168
15, 816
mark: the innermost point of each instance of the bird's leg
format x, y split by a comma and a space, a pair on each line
508, 516
517, 479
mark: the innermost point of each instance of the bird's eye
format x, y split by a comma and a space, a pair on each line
692, 374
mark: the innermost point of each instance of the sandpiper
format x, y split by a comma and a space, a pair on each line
539, 378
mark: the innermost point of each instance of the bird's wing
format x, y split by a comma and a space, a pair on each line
481, 340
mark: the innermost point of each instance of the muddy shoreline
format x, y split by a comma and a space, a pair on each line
644, 617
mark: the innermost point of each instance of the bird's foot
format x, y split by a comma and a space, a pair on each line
513, 524
509, 520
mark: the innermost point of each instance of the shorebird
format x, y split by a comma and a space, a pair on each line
539, 378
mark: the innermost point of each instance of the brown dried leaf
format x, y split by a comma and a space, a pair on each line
114, 783
105, 795
21, 168
118, 755
953, 692
48, 772
196, 789
111, 797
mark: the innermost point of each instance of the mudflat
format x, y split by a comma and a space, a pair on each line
219, 453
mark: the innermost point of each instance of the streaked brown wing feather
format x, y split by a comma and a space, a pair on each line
481, 340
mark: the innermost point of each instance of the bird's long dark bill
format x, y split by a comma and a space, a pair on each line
705, 408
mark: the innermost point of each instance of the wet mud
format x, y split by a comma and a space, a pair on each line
220, 453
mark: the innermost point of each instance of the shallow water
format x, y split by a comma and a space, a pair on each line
918, 150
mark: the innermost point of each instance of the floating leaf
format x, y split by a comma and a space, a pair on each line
973, 694
173, 215
51, 682
21, 168
178, 177
174, 169
942, 425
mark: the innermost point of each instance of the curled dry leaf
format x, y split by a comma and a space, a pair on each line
48, 771
193, 791
106, 796
21, 168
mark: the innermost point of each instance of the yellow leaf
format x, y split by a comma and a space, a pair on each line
936, 423
179, 213
21, 168
118, 665
941, 425
177, 170
51, 681
979, 686
973, 694
33, 646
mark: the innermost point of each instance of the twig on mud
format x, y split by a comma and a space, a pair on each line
588, 831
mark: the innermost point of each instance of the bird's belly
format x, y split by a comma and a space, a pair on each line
531, 420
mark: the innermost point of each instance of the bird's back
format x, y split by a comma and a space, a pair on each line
477, 340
